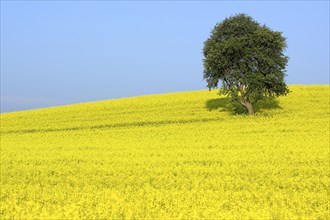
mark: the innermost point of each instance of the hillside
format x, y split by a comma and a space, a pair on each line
179, 155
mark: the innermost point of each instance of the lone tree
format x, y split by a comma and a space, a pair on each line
247, 58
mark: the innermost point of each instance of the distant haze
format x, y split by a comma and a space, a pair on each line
57, 52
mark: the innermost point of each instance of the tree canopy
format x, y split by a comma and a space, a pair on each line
248, 58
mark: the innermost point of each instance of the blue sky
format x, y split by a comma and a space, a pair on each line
56, 52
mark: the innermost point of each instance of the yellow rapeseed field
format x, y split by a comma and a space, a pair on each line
183, 155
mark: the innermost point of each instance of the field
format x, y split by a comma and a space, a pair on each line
180, 155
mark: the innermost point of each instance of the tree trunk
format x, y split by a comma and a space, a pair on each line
249, 107
246, 102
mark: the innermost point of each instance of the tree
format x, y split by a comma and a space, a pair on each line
248, 58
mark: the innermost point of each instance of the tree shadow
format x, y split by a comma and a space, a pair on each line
226, 104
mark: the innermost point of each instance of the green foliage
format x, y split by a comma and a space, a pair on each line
248, 58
